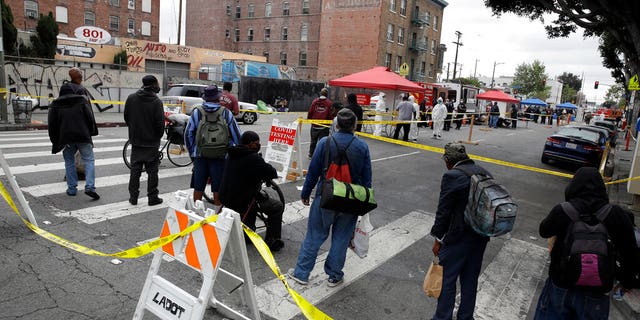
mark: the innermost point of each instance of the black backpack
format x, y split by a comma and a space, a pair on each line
588, 259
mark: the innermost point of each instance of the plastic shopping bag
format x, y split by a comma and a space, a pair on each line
433, 280
360, 241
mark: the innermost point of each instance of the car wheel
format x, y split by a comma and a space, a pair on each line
544, 160
249, 117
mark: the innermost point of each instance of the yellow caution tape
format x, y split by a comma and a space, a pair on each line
308, 310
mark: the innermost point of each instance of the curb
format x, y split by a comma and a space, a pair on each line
42, 126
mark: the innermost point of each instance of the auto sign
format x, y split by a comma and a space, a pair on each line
92, 34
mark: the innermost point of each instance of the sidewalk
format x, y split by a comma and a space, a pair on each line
39, 121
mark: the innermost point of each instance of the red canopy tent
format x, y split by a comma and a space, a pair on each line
378, 78
496, 95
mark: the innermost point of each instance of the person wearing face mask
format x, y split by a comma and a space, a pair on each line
144, 115
244, 173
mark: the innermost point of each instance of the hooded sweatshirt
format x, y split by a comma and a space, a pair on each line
144, 115
587, 193
70, 121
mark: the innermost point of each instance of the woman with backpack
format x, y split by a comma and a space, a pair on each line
582, 268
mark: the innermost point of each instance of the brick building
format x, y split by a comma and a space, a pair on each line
324, 39
137, 19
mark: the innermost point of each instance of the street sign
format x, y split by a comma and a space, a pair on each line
91, 34
404, 69
633, 83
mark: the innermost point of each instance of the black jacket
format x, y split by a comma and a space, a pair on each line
144, 115
357, 110
244, 172
449, 225
70, 121
587, 193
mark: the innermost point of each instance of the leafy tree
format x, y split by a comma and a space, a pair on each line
120, 60
9, 31
531, 80
568, 94
616, 94
45, 41
468, 81
571, 80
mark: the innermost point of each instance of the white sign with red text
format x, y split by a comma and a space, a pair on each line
280, 147
91, 34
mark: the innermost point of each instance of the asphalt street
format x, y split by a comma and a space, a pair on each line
41, 280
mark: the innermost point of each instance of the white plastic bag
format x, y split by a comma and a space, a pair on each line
360, 240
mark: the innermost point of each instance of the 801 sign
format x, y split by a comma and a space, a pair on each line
92, 34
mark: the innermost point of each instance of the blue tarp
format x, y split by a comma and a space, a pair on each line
534, 101
567, 105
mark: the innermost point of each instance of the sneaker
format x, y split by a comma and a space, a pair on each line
275, 245
331, 282
296, 279
133, 200
71, 192
92, 194
155, 201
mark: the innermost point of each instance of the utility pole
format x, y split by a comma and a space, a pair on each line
494, 72
448, 71
179, 22
455, 61
475, 68
4, 113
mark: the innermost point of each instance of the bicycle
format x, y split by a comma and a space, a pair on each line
177, 153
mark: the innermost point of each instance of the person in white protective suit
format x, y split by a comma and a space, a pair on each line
439, 114
413, 132
381, 107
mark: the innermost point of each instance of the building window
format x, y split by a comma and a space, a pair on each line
285, 8
115, 3
401, 35
145, 28
250, 35
146, 6
267, 34
131, 26
89, 18
61, 14
285, 33
431, 70
131, 4
387, 60
435, 23
427, 17
238, 12
266, 55
392, 5
228, 10
267, 9
236, 34
389, 32
305, 6
227, 33
433, 47
31, 9
423, 67
426, 43
304, 32
283, 58
114, 23
398, 62
251, 12
403, 7
303, 59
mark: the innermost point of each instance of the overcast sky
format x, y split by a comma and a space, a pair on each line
510, 40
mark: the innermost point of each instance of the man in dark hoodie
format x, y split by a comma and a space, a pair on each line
144, 115
352, 104
244, 173
560, 298
71, 126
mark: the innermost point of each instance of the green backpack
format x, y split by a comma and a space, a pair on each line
212, 135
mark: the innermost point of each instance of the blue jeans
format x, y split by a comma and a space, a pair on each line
494, 121
567, 304
322, 221
86, 151
462, 259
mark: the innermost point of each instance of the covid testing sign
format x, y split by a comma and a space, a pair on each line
280, 147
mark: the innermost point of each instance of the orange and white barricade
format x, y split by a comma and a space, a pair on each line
202, 250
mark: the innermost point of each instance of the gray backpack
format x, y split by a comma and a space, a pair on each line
212, 135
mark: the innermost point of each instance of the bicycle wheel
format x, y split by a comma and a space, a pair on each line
126, 154
178, 154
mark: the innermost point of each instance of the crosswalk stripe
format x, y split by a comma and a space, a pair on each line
384, 244
59, 166
48, 143
508, 284
48, 153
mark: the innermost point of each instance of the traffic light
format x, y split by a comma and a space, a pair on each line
595, 86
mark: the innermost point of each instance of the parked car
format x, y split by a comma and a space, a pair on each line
582, 145
611, 128
191, 95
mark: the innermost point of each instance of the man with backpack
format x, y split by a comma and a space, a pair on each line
584, 231
210, 132
322, 221
458, 247
320, 110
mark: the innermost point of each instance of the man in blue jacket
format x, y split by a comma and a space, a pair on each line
205, 168
321, 221
459, 248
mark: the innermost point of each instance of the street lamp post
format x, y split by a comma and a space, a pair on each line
494, 72
455, 61
4, 112
475, 68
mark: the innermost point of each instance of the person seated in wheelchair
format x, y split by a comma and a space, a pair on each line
240, 190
